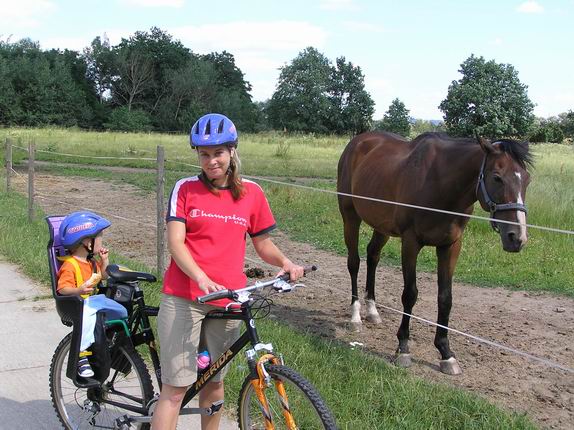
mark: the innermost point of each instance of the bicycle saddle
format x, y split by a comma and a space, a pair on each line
123, 274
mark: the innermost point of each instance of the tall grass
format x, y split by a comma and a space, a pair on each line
361, 389
299, 155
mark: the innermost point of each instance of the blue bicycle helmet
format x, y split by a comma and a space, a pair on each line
211, 130
80, 225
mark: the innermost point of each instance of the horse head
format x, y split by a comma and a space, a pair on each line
501, 188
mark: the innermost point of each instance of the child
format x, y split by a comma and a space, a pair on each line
81, 233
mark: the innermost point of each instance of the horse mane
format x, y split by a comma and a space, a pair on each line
518, 150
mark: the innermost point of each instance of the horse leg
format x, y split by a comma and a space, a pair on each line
409, 252
377, 242
352, 223
447, 257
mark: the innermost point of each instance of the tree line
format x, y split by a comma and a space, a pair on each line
150, 81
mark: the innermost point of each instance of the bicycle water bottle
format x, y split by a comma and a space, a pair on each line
203, 361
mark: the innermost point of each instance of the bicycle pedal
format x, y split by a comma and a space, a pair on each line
216, 406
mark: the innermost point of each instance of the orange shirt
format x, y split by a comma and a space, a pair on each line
67, 273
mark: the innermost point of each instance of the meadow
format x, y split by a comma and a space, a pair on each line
371, 394
362, 389
546, 264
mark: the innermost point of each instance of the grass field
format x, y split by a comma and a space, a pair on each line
362, 390
546, 264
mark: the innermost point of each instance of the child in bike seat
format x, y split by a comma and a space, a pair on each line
80, 274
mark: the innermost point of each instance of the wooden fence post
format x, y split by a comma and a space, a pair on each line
160, 211
8, 155
31, 153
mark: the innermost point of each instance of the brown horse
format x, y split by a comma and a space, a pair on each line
433, 171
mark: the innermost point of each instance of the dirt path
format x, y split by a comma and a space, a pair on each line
540, 324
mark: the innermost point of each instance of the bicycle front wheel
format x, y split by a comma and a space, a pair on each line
290, 402
128, 385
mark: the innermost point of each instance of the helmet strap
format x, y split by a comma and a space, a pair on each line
90, 249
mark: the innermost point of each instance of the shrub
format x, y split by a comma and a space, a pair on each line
122, 119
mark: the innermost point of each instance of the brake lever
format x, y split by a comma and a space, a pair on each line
284, 286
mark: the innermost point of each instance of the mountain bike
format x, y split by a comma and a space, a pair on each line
272, 396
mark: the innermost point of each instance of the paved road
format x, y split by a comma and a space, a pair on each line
31, 330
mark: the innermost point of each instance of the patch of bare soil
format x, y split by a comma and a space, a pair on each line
540, 324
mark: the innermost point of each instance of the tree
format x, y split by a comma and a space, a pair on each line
301, 101
353, 107
566, 120
489, 99
41, 87
135, 77
313, 96
145, 60
99, 59
546, 130
232, 97
396, 119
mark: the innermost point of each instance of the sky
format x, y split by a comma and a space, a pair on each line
411, 50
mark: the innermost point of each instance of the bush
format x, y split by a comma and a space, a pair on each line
122, 119
547, 131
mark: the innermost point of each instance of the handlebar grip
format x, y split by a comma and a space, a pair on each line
221, 294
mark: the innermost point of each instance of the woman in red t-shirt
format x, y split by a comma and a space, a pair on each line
208, 219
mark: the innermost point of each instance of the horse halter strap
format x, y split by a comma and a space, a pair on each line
494, 207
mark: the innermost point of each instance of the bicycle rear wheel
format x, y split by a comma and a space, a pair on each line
300, 407
129, 383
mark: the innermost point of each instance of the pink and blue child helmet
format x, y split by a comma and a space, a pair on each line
78, 226
211, 130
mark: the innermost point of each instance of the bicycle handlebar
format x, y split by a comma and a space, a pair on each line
232, 294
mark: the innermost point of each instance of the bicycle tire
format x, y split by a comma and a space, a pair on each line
71, 403
305, 404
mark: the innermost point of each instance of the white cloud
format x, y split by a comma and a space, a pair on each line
24, 13
338, 5
497, 41
154, 3
243, 35
530, 6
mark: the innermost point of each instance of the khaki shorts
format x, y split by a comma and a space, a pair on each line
181, 329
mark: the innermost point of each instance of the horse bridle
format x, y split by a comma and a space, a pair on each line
495, 207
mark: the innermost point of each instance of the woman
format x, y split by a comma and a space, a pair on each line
208, 219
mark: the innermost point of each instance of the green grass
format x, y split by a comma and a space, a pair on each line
262, 154
546, 264
362, 390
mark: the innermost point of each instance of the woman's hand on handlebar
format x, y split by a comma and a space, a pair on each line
295, 271
208, 286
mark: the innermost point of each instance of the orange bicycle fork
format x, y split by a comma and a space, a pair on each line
260, 384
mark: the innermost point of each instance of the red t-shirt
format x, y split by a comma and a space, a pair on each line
216, 230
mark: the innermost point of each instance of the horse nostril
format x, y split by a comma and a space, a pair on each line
512, 236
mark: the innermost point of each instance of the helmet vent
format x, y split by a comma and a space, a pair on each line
220, 128
208, 127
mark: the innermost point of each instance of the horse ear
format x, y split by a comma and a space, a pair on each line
484, 144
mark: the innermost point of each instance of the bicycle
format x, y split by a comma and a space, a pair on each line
272, 396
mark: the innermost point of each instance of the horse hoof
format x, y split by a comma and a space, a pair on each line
450, 367
403, 360
355, 326
375, 319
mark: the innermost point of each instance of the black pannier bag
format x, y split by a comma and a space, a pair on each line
121, 292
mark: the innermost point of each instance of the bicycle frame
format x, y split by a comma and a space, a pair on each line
142, 334
250, 336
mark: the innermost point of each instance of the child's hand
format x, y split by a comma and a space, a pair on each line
86, 288
104, 255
